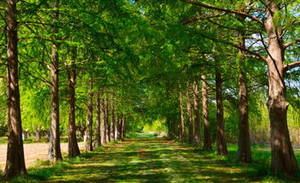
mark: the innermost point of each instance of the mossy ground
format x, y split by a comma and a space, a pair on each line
146, 159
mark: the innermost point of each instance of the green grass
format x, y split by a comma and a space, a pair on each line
31, 140
148, 159
3, 140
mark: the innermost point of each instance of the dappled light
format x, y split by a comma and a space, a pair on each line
149, 91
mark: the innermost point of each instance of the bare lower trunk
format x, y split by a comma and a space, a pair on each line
54, 139
73, 149
207, 138
89, 132
244, 150
103, 121
283, 157
113, 122
196, 114
98, 122
107, 119
15, 163
181, 124
190, 117
221, 143
120, 127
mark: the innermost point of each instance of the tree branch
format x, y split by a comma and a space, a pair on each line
237, 12
286, 45
197, 18
291, 65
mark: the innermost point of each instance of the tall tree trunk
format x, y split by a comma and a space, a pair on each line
73, 148
181, 124
98, 122
113, 121
190, 116
221, 143
124, 127
196, 114
15, 162
244, 150
89, 130
119, 127
103, 121
107, 119
207, 138
283, 157
54, 139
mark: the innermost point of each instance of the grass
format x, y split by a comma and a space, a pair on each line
143, 158
31, 140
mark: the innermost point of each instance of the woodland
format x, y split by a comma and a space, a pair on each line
206, 79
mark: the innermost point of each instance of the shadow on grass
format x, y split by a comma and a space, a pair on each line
157, 160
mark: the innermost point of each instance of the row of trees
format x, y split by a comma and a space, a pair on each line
148, 60
50, 54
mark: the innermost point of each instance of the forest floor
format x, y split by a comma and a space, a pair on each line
144, 159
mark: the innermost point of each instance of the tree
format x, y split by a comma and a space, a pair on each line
15, 162
73, 148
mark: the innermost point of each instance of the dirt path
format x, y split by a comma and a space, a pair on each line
149, 160
33, 152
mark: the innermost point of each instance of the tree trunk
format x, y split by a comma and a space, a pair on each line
120, 127
190, 116
221, 143
107, 119
98, 122
124, 128
15, 162
105, 138
103, 121
73, 149
244, 150
181, 124
283, 157
54, 140
196, 114
207, 138
89, 130
38, 134
113, 122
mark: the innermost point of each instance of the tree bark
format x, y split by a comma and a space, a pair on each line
54, 139
283, 157
73, 149
205, 112
120, 127
89, 130
190, 116
221, 143
107, 119
181, 124
98, 122
103, 119
15, 162
244, 145
196, 114
244, 150
113, 122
